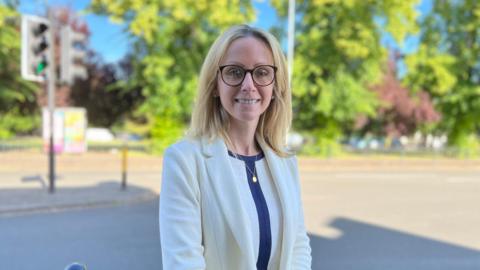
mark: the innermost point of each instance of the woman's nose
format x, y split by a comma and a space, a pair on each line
248, 84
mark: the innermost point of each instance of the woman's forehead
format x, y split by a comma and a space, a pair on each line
248, 50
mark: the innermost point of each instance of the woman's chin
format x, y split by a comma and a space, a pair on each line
247, 118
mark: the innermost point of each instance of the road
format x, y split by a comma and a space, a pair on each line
360, 215
393, 219
114, 238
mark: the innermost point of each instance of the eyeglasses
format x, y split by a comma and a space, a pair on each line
234, 75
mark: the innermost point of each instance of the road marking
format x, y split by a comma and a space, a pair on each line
402, 176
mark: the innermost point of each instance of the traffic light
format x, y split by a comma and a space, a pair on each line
36, 47
72, 63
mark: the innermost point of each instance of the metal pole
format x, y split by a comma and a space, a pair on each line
291, 38
50, 81
124, 165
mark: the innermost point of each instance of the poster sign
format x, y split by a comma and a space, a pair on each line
75, 124
69, 130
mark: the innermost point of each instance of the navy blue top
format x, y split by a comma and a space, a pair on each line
265, 246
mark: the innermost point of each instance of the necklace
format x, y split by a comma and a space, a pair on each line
254, 173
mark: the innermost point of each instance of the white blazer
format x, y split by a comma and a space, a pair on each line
203, 224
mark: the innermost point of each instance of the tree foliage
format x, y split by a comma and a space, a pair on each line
107, 99
401, 112
105, 94
171, 40
18, 108
447, 65
338, 55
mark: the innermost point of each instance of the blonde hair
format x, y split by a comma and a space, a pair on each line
209, 118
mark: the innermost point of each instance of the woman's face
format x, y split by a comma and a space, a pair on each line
247, 101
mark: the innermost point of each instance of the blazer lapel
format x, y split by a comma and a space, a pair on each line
279, 173
221, 174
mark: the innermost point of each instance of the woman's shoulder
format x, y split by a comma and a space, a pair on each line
186, 146
287, 155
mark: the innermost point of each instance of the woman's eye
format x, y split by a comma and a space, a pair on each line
261, 72
235, 72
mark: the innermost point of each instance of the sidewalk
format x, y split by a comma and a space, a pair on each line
94, 179
86, 180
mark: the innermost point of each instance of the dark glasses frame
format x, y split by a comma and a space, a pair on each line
220, 68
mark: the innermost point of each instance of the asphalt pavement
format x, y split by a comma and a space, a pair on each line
81, 181
361, 213
95, 179
123, 237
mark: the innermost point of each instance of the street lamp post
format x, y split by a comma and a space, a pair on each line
291, 38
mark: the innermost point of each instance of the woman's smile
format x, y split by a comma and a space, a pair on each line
249, 101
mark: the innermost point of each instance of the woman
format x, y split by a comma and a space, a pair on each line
230, 196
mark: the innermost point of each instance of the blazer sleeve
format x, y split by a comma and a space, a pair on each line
302, 258
180, 214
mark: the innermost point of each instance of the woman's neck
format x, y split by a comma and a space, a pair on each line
242, 138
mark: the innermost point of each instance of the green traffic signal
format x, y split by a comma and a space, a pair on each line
40, 48
41, 66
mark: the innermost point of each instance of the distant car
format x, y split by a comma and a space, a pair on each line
99, 135
294, 141
129, 137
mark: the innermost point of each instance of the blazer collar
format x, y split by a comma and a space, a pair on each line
278, 169
226, 192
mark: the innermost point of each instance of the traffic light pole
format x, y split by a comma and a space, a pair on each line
38, 64
50, 82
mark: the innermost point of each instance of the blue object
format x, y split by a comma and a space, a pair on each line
76, 266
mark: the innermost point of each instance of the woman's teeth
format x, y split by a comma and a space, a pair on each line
246, 101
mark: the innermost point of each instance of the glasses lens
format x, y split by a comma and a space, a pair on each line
263, 75
233, 75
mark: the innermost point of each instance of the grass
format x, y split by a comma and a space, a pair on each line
36, 143
144, 148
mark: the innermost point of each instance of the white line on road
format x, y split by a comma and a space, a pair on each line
403, 176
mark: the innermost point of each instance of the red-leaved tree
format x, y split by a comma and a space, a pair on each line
401, 112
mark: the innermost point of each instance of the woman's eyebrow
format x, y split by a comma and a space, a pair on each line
244, 66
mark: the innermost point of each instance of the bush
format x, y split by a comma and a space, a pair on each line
323, 142
165, 131
13, 124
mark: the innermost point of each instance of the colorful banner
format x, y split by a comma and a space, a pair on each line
70, 126
75, 124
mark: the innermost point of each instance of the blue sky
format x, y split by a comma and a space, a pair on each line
411, 43
109, 40
106, 38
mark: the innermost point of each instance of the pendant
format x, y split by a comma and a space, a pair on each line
254, 179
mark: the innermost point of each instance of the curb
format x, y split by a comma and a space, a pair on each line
39, 208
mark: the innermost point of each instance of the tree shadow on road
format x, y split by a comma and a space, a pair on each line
363, 246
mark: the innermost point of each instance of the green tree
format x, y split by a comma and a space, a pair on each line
171, 38
18, 109
447, 66
338, 55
